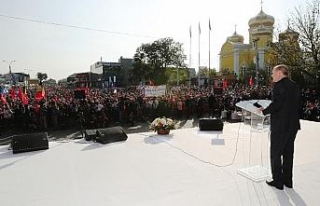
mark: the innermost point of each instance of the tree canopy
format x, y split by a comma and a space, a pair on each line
306, 21
152, 59
42, 76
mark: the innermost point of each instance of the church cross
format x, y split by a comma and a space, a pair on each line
261, 2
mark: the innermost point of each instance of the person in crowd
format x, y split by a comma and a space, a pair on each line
104, 108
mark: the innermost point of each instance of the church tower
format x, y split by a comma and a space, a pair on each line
261, 37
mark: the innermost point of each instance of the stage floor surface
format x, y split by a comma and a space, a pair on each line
186, 167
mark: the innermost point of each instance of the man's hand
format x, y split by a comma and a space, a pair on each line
260, 109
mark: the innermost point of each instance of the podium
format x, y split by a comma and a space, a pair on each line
259, 125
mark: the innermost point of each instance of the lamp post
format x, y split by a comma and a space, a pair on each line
177, 75
255, 41
28, 71
9, 65
243, 68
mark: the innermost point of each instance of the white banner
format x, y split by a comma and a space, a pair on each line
155, 91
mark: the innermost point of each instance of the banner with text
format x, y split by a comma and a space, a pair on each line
155, 91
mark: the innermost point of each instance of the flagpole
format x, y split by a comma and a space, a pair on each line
190, 47
199, 56
209, 44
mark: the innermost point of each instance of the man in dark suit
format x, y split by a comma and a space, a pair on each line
284, 111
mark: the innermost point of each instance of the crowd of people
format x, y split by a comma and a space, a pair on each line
101, 108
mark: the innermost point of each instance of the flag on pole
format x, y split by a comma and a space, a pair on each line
225, 83
24, 99
199, 29
250, 81
3, 99
20, 93
209, 25
13, 92
40, 94
190, 31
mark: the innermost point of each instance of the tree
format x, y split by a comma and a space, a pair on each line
287, 51
152, 59
306, 21
41, 77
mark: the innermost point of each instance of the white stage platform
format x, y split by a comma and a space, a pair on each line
187, 167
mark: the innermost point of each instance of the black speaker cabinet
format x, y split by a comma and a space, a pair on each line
210, 124
79, 94
90, 134
29, 142
112, 134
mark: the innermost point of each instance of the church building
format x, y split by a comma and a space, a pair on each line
236, 57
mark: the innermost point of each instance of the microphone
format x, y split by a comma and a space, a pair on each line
256, 104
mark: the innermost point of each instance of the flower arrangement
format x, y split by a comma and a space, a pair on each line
163, 123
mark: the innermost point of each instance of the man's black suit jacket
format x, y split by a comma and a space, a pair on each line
285, 105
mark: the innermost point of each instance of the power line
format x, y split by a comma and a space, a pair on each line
73, 26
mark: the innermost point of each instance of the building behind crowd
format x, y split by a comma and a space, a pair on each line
102, 75
84, 80
113, 74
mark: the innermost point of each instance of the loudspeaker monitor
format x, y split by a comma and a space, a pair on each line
210, 124
90, 134
111, 134
29, 142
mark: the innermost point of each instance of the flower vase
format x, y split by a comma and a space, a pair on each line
163, 131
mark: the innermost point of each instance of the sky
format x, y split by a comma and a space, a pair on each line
62, 37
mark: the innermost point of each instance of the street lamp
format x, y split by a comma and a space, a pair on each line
9, 64
177, 76
28, 71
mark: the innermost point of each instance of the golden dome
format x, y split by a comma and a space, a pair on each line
288, 33
236, 38
261, 19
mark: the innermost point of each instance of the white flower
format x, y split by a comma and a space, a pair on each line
163, 123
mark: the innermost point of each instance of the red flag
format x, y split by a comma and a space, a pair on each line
56, 98
20, 93
225, 83
3, 99
250, 81
24, 99
13, 93
40, 94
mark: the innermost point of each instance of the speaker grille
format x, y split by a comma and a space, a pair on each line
209, 124
112, 134
29, 142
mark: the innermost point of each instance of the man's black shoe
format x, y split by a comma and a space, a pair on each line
288, 184
277, 185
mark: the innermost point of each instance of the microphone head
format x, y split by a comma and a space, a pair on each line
256, 104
